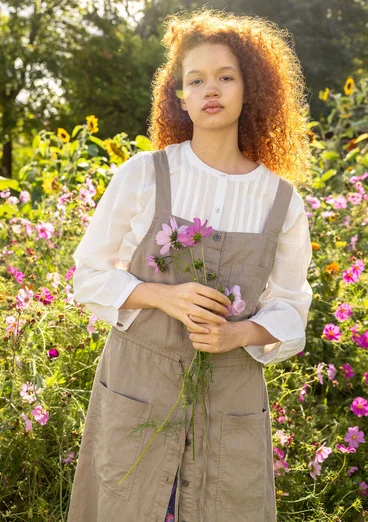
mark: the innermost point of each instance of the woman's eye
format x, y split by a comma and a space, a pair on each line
200, 80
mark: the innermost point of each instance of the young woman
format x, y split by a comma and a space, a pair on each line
228, 127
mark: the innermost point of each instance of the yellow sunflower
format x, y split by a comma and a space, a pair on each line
92, 123
324, 94
349, 86
63, 135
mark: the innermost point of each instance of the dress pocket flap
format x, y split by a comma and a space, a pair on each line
123, 403
249, 422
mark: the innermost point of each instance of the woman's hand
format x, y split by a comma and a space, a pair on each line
220, 338
194, 299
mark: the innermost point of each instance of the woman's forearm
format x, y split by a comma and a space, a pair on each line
146, 295
253, 334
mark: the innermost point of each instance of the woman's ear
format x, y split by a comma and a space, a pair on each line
183, 105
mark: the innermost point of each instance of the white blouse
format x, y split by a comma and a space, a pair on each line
231, 203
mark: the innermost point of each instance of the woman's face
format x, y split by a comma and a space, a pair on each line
217, 78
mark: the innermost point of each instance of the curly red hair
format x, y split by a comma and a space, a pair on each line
273, 125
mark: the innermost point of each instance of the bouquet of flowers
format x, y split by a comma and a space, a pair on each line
199, 373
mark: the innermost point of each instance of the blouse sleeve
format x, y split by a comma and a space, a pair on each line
100, 280
285, 302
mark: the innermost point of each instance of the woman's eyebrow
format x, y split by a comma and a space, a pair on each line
196, 71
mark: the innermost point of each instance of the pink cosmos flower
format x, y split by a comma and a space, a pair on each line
279, 452
322, 453
40, 414
194, 233
366, 378
169, 236
44, 230
347, 370
344, 449
316, 469
44, 296
343, 312
354, 179
27, 391
319, 371
349, 277
359, 406
363, 488
313, 202
355, 198
54, 277
237, 304
303, 392
357, 268
353, 241
69, 458
69, 295
13, 200
337, 202
354, 437
331, 371
87, 194
5, 193
70, 272
158, 263
24, 196
24, 298
331, 332
355, 335
90, 327
16, 273
285, 440
28, 426
362, 340
13, 325
352, 470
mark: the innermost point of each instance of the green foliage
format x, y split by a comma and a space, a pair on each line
53, 344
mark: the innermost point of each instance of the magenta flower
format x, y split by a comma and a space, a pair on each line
16, 273
313, 202
363, 488
331, 371
90, 327
352, 470
237, 304
316, 469
347, 370
354, 437
344, 449
349, 277
343, 312
194, 233
331, 332
366, 378
40, 414
357, 268
362, 340
13, 325
322, 453
53, 353
169, 236
70, 272
359, 406
44, 296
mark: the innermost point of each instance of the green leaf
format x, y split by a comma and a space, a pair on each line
36, 141
98, 142
143, 143
43, 148
330, 155
329, 174
76, 129
92, 149
352, 154
8, 183
318, 183
57, 378
318, 144
8, 210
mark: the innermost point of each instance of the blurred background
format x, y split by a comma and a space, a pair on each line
61, 60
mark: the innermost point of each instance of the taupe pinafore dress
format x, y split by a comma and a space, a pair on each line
138, 378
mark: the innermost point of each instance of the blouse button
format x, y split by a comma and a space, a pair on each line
185, 483
216, 237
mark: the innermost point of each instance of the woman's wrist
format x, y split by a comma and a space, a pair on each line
146, 295
252, 334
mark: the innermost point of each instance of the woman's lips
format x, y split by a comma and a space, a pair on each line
213, 109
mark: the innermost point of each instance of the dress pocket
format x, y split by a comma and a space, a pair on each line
116, 447
242, 467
